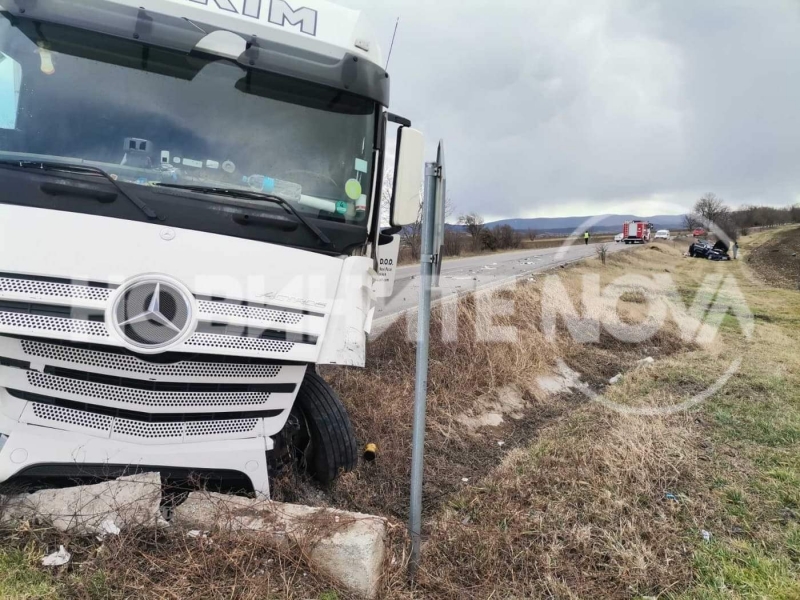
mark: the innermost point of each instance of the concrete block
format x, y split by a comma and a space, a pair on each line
348, 546
91, 509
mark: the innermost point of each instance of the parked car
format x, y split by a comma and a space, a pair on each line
699, 232
662, 234
619, 237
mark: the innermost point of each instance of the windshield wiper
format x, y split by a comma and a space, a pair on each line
85, 169
234, 193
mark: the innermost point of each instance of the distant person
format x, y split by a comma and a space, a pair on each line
586, 238
735, 250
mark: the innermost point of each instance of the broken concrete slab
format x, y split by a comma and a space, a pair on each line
348, 546
126, 502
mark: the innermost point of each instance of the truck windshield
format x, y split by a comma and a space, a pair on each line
152, 115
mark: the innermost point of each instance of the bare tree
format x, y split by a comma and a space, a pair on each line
508, 237
710, 208
411, 235
690, 222
714, 214
386, 196
474, 224
602, 252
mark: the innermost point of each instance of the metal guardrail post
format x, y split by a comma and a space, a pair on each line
432, 174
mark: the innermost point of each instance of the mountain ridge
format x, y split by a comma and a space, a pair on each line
599, 223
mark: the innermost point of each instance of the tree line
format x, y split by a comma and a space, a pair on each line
710, 212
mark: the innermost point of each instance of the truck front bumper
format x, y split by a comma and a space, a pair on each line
31, 447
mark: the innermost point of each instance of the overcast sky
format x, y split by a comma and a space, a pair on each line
578, 107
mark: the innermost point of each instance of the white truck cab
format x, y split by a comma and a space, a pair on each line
189, 223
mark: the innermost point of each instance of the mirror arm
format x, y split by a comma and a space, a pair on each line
402, 121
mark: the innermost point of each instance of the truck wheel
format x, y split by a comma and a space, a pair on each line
325, 443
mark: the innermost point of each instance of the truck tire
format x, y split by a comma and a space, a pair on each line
332, 446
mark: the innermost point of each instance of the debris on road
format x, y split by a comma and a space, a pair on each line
196, 533
107, 527
57, 559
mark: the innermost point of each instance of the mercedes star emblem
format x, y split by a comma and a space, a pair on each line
152, 313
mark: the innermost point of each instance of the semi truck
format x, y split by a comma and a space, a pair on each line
190, 224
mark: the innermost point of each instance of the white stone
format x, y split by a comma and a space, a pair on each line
91, 509
349, 546
615, 378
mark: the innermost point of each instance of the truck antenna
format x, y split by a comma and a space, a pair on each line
391, 46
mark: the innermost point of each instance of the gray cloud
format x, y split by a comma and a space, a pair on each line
575, 107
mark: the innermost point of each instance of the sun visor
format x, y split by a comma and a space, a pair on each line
113, 19
351, 73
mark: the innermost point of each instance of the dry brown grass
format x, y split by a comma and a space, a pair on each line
579, 514
582, 513
573, 504
165, 564
462, 374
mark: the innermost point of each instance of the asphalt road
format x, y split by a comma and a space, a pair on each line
465, 275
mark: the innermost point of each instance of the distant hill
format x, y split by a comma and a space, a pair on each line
603, 224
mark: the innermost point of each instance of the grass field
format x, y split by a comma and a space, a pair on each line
538, 243
564, 496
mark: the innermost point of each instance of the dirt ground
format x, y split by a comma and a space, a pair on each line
777, 261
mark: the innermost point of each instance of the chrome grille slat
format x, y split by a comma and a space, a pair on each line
53, 290
132, 364
53, 324
142, 429
71, 416
226, 309
133, 396
230, 342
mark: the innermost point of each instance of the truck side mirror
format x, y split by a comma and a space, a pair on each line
407, 177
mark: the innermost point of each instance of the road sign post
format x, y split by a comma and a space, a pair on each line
433, 180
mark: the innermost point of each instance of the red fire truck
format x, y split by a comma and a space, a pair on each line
636, 232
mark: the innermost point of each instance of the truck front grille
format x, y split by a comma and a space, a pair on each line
112, 393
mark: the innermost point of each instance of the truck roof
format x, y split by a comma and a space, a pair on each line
316, 26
